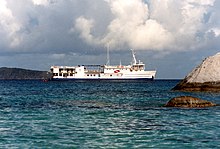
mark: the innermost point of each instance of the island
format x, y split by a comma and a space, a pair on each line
21, 74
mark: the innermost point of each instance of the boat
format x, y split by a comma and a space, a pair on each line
134, 71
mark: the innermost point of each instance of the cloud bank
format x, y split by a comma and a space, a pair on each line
62, 26
167, 25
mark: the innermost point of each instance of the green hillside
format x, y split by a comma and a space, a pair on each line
18, 73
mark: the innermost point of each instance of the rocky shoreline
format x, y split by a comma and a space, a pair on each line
197, 87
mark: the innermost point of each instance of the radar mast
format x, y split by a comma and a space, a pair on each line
108, 59
134, 57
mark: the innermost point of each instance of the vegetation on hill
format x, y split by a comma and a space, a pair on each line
18, 73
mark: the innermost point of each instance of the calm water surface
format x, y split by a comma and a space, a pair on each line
102, 114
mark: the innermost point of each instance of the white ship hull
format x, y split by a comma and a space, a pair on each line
135, 71
150, 75
81, 73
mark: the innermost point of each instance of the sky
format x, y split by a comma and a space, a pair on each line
171, 36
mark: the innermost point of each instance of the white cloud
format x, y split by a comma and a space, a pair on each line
133, 27
130, 27
84, 26
9, 25
41, 2
158, 25
216, 31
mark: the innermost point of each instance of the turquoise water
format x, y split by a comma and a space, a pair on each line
102, 114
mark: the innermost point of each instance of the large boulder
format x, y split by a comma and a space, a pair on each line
205, 77
188, 102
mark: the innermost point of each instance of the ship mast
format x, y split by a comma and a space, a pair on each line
134, 58
108, 59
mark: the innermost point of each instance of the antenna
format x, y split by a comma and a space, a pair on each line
108, 59
134, 58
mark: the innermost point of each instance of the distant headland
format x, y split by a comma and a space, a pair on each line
22, 74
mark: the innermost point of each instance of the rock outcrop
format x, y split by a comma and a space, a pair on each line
205, 77
188, 102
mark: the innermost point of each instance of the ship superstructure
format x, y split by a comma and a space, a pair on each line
134, 71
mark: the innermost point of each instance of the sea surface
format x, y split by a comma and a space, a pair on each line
103, 114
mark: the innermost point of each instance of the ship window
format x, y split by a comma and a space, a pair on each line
110, 75
87, 75
65, 75
60, 74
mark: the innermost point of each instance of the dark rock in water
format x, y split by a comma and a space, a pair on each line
205, 77
188, 102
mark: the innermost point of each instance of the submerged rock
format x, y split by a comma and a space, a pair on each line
205, 77
188, 102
